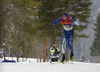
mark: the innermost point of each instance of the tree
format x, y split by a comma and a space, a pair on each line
95, 48
1, 23
19, 22
78, 8
27, 23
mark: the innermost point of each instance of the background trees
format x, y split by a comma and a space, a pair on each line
25, 25
78, 8
95, 48
19, 21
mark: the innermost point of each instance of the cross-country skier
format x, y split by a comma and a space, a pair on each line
54, 53
68, 32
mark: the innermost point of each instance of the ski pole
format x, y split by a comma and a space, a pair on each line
54, 28
46, 54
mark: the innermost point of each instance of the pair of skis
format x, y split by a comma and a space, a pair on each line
65, 62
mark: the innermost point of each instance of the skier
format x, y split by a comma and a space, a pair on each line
68, 32
54, 53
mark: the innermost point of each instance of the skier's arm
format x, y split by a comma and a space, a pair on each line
76, 22
56, 21
51, 51
58, 50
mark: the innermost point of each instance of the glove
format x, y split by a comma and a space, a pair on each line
74, 18
54, 54
53, 17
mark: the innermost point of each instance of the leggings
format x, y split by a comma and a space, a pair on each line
69, 44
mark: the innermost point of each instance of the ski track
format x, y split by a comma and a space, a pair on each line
47, 67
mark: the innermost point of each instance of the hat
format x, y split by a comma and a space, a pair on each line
54, 42
64, 15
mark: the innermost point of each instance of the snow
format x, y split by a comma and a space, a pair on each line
47, 67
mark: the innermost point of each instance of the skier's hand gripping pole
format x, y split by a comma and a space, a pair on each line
53, 17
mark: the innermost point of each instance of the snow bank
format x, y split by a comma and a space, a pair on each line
1, 59
47, 67
31, 65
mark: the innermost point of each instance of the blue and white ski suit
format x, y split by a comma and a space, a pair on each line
68, 32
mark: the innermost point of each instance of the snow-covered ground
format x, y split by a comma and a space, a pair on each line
1, 59
32, 66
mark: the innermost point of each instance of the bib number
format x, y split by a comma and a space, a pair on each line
67, 26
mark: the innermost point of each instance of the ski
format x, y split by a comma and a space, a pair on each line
65, 62
71, 61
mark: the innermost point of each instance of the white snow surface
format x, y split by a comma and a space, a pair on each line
47, 67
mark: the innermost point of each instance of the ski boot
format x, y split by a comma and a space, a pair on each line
63, 58
71, 56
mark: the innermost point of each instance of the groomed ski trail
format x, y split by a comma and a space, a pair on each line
47, 67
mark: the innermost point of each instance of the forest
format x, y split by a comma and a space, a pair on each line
26, 25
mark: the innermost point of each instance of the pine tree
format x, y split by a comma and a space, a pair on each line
31, 22
95, 48
19, 22
78, 8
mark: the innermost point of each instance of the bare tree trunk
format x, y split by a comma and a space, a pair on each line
9, 43
18, 55
17, 58
1, 27
39, 53
98, 59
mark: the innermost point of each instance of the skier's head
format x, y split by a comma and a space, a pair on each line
64, 14
54, 44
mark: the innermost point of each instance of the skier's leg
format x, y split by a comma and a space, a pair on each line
57, 56
64, 39
70, 46
71, 55
63, 57
63, 44
51, 59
